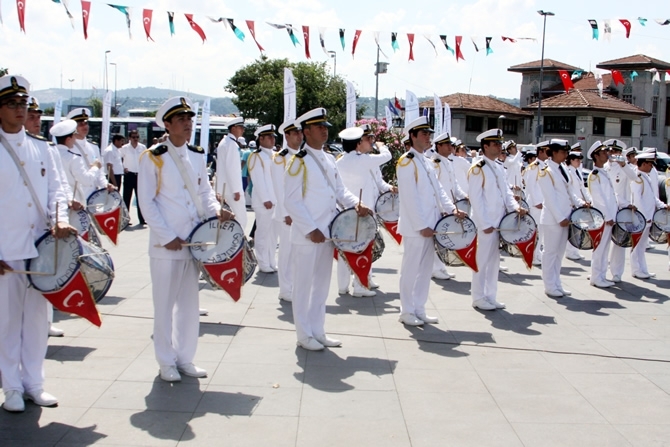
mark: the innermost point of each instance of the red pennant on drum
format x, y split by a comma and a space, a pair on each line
75, 298
109, 223
596, 236
229, 275
527, 249
392, 228
469, 255
635, 238
360, 264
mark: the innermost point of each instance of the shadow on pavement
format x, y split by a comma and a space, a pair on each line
591, 307
24, 429
518, 323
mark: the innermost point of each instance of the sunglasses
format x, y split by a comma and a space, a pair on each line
16, 104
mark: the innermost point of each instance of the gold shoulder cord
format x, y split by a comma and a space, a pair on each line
404, 161
255, 155
281, 162
592, 177
544, 172
476, 170
158, 161
295, 172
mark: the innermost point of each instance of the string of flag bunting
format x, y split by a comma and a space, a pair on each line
617, 77
627, 25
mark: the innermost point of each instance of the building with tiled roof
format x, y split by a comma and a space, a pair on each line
636, 62
549, 65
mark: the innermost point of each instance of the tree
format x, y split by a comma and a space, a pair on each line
48, 111
259, 90
96, 105
3, 71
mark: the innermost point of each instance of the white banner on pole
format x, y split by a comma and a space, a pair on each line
58, 113
389, 118
351, 105
106, 115
446, 126
204, 126
196, 108
437, 107
289, 95
411, 107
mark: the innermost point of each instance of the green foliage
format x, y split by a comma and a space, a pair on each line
4, 71
96, 106
391, 138
259, 90
48, 111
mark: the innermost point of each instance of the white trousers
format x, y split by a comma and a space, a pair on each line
174, 285
571, 251
638, 256
537, 254
415, 273
285, 273
239, 208
599, 257
312, 268
265, 240
24, 331
485, 282
617, 259
555, 240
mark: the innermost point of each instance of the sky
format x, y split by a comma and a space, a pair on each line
51, 52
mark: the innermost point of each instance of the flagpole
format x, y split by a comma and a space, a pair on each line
377, 85
538, 127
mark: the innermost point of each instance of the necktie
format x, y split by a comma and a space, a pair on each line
565, 176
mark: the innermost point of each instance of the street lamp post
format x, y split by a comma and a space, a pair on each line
106, 78
334, 56
114, 64
538, 127
380, 68
71, 81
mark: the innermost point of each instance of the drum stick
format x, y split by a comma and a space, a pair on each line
27, 272
358, 218
457, 210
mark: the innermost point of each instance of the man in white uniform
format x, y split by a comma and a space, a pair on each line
263, 199
574, 168
130, 153
89, 151
422, 202
313, 189
175, 196
229, 171
461, 164
534, 194
23, 310
513, 164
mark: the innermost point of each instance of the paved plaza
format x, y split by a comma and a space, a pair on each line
591, 370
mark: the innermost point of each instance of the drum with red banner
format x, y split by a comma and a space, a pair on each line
110, 214
586, 228
518, 236
387, 210
456, 239
354, 237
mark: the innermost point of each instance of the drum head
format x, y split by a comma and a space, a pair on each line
231, 240
630, 221
463, 205
587, 219
662, 219
101, 201
69, 250
98, 269
453, 233
80, 220
387, 207
515, 228
343, 231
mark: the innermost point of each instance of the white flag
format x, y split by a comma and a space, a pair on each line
389, 118
58, 113
607, 30
289, 95
446, 119
106, 115
204, 126
599, 83
351, 105
437, 106
411, 107
196, 108
656, 75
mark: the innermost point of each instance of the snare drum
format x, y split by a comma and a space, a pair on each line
660, 226
74, 254
82, 222
378, 246
344, 235
516, 229
451, 235
627, 222
387, 207
104, 206
584, 220
463, 205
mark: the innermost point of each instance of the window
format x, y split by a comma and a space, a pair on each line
628, 98
474, 123
654, 116
509, 127
534, 97
492, 123
626, 128
560, 124
598, 125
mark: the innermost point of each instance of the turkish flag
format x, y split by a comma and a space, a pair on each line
357, 35
635, 238
567, 82
397, 104
75, 298
109, 223
85, 11
252, 30
626, 25
459, 54
392, 228
596, 236
229, 275
196, 27
469, 255
360, 264
527, 248
410, 37
305, 34
21, 9
146, 18
617, 77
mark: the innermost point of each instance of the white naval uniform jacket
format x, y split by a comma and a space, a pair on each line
447, 178
602, 193
309, 199
62, 177
533, 191
92, 154
382, 186
279, 162
260, 165
461, 168
490, 195
645, 195
577, 183
229, 167
165, 201
514, 163
21, 222
358, 173
422, 198
76, 172
621, 179
559, 199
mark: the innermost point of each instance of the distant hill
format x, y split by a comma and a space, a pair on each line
369, 103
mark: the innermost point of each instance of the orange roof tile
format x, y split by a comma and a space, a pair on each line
549, 65
588, 100
477, 103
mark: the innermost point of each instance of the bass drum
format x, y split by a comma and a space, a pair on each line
583, 220
378, 246
463, 205
352, 233
515, 229
451, 234
627, 222
387, 207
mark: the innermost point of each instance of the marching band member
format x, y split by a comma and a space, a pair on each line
534, 194
490, 198
604, 200
357, 168
645, 198
558, 204
574, 164
667, 199
175, 196
461, 164
263, 199
229, 171
293, 137
422, 201
27, 172
312, 190
513, 163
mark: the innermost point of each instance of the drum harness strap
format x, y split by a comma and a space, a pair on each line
26, 179
186, 178
325, 175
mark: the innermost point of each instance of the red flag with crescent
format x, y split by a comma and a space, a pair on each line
85, 11
75, 298
626, 24
410, 37
109, 223
146, 18
459, 54
196, 27
360, 264
229, 275
567, 82
527, 249
357, 35
252, 30
469, 255
392, 228
305, 33
596, 236
21, 9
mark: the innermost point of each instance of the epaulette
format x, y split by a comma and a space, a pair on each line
437, 160
196, 149
481, 163
301, 153
258, 149
159, 150
283, 152
639, 179
37, 137
409, 155
594, 172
